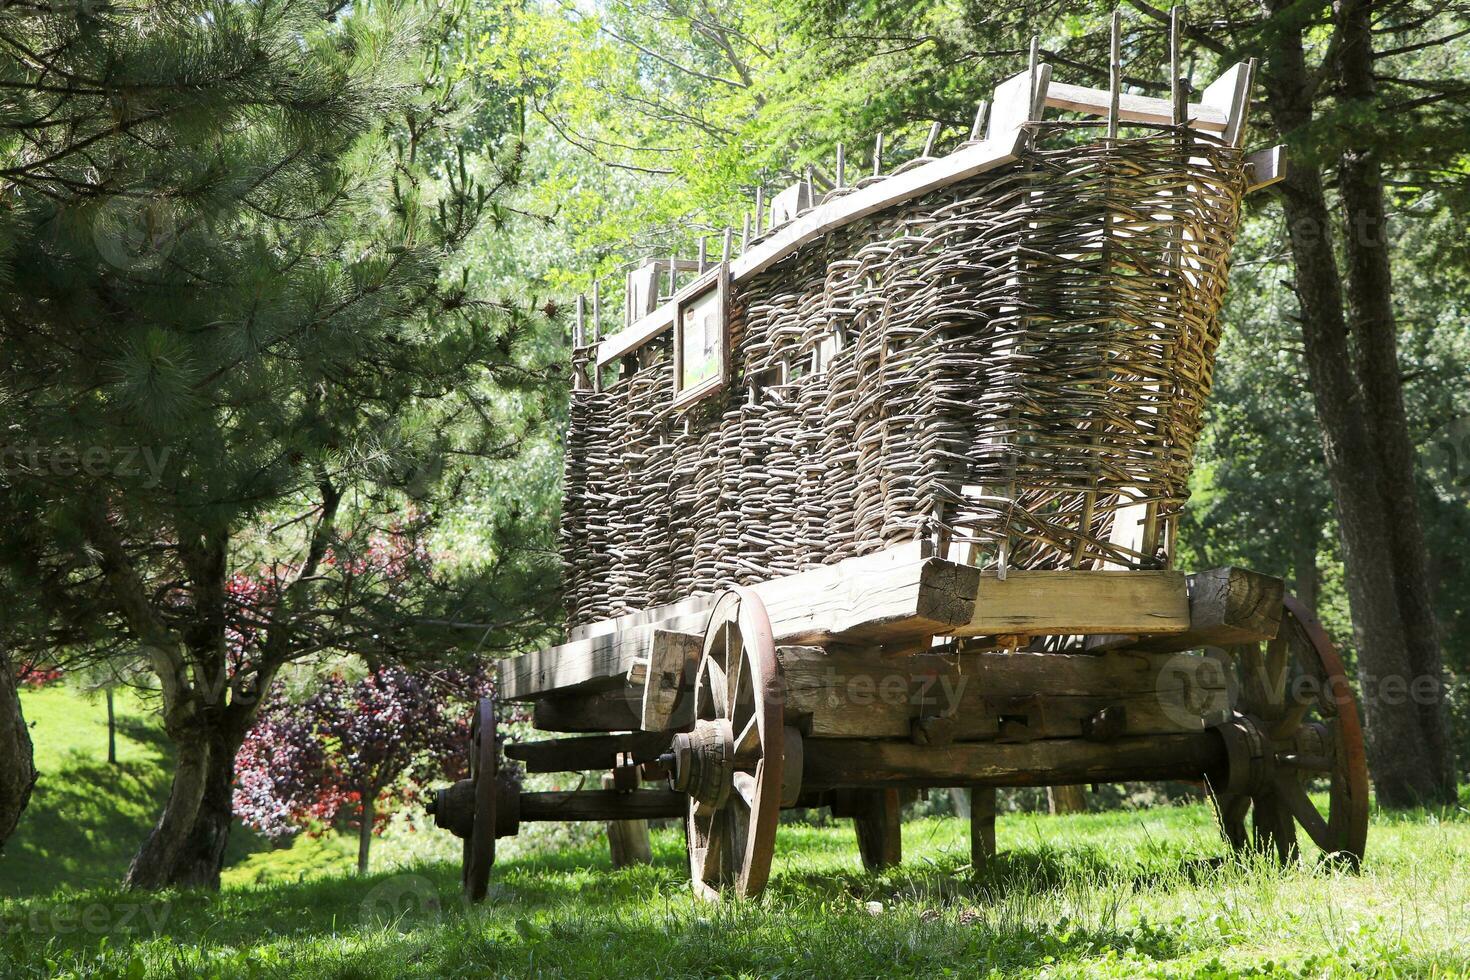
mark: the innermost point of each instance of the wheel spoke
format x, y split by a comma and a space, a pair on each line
1277, 651
1289, 790
1274, 826
734, 669
748, 742
1290, 720
1253, 685
745, 789
719, 692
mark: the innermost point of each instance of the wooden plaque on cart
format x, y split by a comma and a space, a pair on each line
702, 337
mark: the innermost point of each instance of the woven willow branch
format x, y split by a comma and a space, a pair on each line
1015, 367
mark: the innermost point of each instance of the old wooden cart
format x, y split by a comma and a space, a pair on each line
888, 500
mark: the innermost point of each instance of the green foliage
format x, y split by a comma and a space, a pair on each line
244, 258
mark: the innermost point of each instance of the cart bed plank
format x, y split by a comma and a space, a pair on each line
892, 597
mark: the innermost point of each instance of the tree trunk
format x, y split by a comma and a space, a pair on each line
1066, 799
186, 848
1404, 769
1375, 331
1306, 578
17, 761
365, 834
111, 731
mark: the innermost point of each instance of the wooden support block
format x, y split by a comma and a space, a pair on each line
627, 840
856, 693
584, 754
982, 826
672, 659
1265, 167
869, 764
1065, 602
876, 817
1226, 606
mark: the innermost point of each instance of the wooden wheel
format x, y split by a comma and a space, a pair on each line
732, 762
479, 843
1295, 723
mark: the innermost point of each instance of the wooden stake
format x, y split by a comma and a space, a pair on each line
977, 128
596, 311
878, 155
841, 177
1115, 74
760, 210
1176, 79
929, 143
725, 247
745, 233
701, 254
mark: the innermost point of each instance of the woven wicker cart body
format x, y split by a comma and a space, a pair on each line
1012, 366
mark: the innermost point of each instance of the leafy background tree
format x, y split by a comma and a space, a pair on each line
239, 230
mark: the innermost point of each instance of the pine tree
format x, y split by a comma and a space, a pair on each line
239, 352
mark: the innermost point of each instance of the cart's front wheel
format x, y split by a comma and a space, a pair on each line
732, 762
1295, 723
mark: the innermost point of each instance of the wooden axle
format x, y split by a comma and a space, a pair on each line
832, 763
603, 804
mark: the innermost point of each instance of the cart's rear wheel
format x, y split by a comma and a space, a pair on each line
479, 845
1295, 723
732, 761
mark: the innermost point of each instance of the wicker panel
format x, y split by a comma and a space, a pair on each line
1015, 367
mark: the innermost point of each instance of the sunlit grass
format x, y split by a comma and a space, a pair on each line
1130, 893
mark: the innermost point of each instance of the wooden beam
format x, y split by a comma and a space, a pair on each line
889, 595
982, 826
833, 763
893, 596
585, 754
1133, 108
876, 818
844, 693
617, 710
604, 804
1067, 602
1227, 606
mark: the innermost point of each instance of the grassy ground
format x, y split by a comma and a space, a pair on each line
1120, 894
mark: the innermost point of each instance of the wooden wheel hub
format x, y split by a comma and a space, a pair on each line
704, 762
1295, 724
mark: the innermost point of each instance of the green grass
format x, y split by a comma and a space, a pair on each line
86, 818
1120, 894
